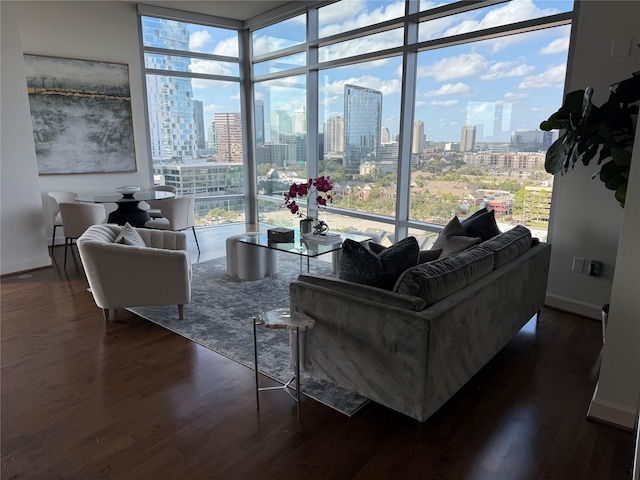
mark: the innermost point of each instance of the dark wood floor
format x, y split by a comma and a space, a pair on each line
82, 399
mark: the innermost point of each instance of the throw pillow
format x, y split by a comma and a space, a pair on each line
423, 257
130, 236
453, 239
481, 224
436, 280
360, 265
429, 255
509, 245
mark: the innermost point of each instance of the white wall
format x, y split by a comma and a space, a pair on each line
588, 222
101, 31
586, 218
22, 229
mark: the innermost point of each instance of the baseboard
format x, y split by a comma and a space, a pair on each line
611, 413
25, 267
573, 306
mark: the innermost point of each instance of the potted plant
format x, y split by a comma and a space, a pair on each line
320, 187
606, 132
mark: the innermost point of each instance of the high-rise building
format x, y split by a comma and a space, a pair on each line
211, 135
334, 134
417, 140
259, 110
468, 138
281, 124
229, 137
198, 116
523, 140
300, 121
385, 135
172, 125
362, 126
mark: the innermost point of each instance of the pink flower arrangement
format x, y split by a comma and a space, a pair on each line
322, 186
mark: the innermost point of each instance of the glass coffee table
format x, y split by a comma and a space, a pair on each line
306, 248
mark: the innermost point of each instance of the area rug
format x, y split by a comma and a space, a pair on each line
220, 317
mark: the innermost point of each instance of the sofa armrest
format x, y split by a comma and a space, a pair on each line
366, 292
165, 239
127, 276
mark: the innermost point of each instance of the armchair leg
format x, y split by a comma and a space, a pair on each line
180, 312
66, 245
196, 237
53, 238
105, 313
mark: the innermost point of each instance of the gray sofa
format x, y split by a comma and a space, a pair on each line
412, 348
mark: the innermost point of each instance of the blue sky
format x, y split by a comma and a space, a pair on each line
521, 75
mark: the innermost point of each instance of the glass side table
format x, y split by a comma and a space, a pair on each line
281, 318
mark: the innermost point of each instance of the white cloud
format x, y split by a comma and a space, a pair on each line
465, 65
552, 77
207, 67
506, 70
355, 16
513, 11
450, 89
358, 46
559, 45
197, 40
514, 97
227, 47
387, 87
444, 103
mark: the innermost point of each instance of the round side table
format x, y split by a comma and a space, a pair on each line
281, 318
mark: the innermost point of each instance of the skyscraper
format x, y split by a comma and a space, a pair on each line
468, 138
334, 134
385, 135
300, 120
198, 117
171, 111
259, 109
229, 137
417, 140
362, 126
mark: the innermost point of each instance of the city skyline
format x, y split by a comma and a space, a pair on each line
503, 84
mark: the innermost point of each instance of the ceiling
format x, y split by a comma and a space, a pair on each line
232, 9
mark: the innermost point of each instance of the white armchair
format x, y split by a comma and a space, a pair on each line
122, 275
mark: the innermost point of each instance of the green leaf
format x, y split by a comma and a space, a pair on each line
621, 157
555, 157
621, 193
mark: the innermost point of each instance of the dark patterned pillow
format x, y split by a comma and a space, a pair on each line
360, 265
453, 239
481, 224
423, 257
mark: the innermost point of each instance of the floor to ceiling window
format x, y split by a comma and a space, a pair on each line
195, 120
417, 110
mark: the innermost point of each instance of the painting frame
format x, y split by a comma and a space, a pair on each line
81, 115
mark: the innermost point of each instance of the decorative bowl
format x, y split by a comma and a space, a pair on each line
128, 189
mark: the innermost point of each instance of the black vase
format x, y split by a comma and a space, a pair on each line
306, 225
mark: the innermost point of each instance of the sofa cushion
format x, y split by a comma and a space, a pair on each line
453, 238
130, 236
423, 257
360, 265
436, 280
508, 245
429, 255
481, 224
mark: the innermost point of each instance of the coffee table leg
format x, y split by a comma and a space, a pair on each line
255, 359
298, 372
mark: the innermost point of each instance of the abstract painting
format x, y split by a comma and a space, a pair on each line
81, 115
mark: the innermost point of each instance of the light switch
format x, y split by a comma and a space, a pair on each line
621, 47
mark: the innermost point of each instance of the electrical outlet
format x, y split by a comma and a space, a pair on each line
595, 268
578, 264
